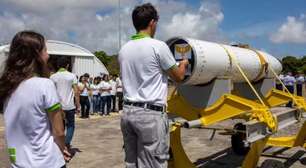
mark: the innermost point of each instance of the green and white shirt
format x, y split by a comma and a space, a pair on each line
143, 64
27, 127
64, 81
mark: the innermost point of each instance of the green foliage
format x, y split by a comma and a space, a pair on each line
103, 57
110, 62
294, 64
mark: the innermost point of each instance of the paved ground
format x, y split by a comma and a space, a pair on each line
98, 143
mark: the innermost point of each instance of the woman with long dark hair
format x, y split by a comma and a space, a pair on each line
33, 119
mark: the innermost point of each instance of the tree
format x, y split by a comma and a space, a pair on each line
103, 57
291, 64
110, 62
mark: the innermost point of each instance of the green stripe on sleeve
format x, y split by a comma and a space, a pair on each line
12, 154
13, 159
173, 66
55, 107
11, 151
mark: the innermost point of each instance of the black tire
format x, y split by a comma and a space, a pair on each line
238, 146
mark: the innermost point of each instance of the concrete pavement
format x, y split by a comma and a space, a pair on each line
98, 144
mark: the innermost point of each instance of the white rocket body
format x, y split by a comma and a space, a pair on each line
212, 60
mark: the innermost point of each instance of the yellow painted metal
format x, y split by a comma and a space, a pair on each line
179, 106
291, 141
277, 97
179, 158
252, 158
282, 141
226, 107
231, 106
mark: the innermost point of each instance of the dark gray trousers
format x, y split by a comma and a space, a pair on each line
146, 137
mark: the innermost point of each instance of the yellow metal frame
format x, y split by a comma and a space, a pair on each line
290, 141
179, 158
231, 106
276, 98
228, 106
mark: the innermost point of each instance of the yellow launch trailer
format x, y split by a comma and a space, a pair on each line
264, 115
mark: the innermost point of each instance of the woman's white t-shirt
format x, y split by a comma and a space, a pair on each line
27, 126
95, 89
113, 85
105, 85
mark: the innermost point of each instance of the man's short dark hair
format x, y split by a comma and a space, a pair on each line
142, 16
62, 62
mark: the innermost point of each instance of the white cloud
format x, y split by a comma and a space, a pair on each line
201, 24
292, 31
94, 23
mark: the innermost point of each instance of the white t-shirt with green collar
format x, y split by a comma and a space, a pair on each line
27, 126
143, 64
64, 81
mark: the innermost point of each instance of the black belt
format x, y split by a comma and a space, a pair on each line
146, 105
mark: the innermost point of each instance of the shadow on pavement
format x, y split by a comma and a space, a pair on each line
223, 159
73, 151
289, 161
228, 159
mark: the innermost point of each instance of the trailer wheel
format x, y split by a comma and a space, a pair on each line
237, 140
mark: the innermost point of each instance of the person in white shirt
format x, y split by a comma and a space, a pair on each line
95, 95
279, 86
145, 64
113, 92
119, 92
300, 80
67, 88
289, 82
105, 89
84, 89
34, 130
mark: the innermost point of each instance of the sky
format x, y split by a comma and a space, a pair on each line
275, 26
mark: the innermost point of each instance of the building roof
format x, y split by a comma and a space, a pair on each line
63, 48
60, 48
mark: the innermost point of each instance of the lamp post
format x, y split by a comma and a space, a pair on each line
119, 25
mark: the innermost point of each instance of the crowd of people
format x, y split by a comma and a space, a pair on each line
99, 95
294, 84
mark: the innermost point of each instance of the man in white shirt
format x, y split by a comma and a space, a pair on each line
67, 89
289, 82
145, 65
105, 89
113, 92
299, 84
278, 85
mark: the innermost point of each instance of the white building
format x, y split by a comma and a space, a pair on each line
82, 60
